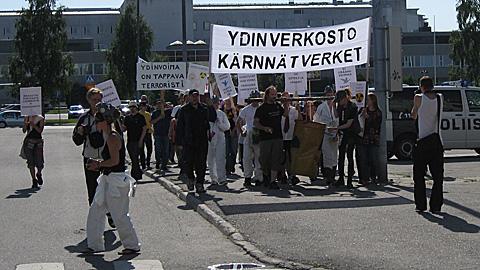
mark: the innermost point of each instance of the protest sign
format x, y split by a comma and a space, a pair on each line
110, 94
197, 77
225, 85
161, 76
344, 76
31, 101
247, 83
296, 82
359, 91
260, 51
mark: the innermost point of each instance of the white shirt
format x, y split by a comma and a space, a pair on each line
221, 124
427, 116
175, 110
292, 116
248, 114
325, 115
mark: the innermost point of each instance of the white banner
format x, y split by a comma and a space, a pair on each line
344, 77
31, 101
359, 91
247, 83
197, 77
161, 76
296, 82
110, 94
249, 50
225, 85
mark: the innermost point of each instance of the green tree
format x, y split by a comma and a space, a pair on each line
466, 41
122, 57
39, 45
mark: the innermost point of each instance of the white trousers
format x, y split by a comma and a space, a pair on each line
118, 206
251, 155
216, 159
329, 152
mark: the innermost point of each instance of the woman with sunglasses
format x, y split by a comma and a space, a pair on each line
115, 187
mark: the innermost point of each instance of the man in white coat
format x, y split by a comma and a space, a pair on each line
325, 114
251, 148
216, 147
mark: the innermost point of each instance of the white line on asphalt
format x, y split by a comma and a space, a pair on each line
138, 265
40, 266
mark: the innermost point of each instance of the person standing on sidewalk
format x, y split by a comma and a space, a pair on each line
347, 113
147, 141
428, 150
161, 122
287, 132
33, 147
268, 119
216, 146
136, 128
251, 147
193, 128
231, 136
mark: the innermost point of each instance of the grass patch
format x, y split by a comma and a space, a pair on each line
57, 111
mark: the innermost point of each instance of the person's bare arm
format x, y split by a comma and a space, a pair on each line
114, 145
417, 101
144, 131
40, 126
258, 125
346, 125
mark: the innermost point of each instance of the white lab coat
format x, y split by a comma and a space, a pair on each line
330, 144
112, 195
251, 152
216, 148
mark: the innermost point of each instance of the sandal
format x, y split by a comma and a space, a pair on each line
129, 251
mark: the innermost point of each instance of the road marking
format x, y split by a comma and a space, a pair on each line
40, 266
138, 265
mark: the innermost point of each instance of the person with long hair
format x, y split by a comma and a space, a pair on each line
114, 188
371, 140
33, 147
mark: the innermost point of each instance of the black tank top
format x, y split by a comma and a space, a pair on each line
33, 133
120, 167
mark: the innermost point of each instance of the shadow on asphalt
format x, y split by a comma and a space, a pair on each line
22, 193
110, 243
446, 159
452, 223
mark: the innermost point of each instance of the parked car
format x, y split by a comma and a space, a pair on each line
75, 111
13, 107
11, 118
124, 109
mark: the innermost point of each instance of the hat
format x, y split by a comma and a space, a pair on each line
106, 112
340, 95
132, 103
328, 89
193, 92
254, 94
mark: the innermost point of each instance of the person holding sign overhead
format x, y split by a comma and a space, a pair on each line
268, 119
33, 147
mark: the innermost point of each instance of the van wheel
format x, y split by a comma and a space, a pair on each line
477, 150
3, 125
404, 147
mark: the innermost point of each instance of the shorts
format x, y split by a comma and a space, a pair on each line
271, 155
34, 153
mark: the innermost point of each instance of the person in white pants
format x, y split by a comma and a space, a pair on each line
114, 188
216, 147
251, 149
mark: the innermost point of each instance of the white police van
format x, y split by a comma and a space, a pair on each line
460, 120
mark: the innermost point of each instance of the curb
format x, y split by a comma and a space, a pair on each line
225, 227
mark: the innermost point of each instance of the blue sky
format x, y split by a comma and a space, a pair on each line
445, 12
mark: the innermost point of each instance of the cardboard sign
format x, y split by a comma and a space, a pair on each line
261, 51
197, 77
161, 76
344, 77
110, 94
225, 85
31, 101
296, 82
247, 83
359, 91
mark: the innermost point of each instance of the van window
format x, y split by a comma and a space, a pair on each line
473, 99
402, 102
452, 101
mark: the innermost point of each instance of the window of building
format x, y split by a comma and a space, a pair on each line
266, 24
452, 101
206, 26
99, 69
408, 61
233, 23
298, 11
473, 100
82, 69
194, 26
98, 29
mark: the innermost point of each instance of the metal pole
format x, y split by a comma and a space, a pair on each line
434, 52
184, 31
380, 66
138, 47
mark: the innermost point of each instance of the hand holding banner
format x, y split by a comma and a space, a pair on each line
110, 94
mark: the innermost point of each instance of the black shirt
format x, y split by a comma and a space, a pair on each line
193, 125
270, 115
163, 125
134, 124
120, 167
349, 112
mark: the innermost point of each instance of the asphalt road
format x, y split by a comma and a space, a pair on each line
47, 226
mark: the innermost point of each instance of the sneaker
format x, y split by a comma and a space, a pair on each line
350, 186
294, 180
247, 182
34, 184
157, 166
190, 185
273, 185
200, 189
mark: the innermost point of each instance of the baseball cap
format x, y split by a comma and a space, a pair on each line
193, 92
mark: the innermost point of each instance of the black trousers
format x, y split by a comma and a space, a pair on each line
134, 152
346, 148
428, 152
91, 179
195, 161
147, 142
